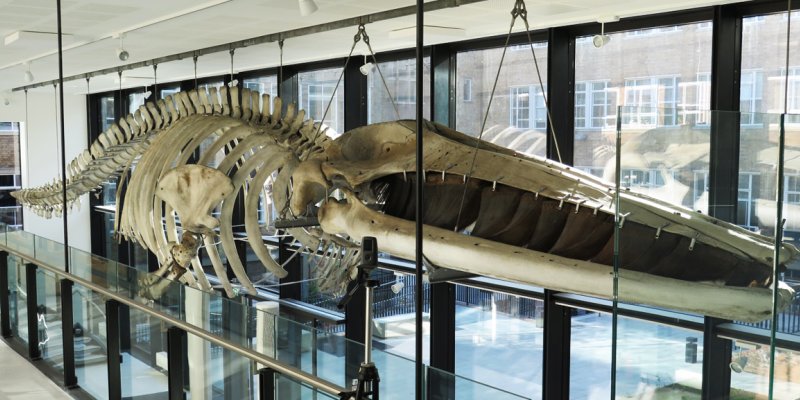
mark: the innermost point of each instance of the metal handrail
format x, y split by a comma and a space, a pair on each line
277, 366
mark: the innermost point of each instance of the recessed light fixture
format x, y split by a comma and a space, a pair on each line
307, 7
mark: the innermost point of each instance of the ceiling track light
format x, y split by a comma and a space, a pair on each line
602, 39
307, 7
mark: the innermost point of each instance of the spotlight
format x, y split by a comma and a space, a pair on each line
397, 287
123, 54
307, 7
367, 67
738, 364
602, 39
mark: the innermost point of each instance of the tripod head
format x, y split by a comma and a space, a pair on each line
369, 261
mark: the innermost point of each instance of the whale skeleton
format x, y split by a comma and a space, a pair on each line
509, 216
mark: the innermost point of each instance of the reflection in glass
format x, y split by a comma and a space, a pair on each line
665, 121
750, 372
518, 116
401, 78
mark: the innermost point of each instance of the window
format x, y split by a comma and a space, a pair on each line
136, 100
107, 112
665, 101
746, 199
651, 101
516, 117
750, 95
695, 100
401, 80
595, 105
317, 95
466, 90
522, 114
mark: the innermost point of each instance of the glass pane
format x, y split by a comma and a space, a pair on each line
750, 372
444, 385
91, 364
49, 315
144, 366
500, 335
518, 116
590, 355
401, 80
665, 151
317, 95
14, 295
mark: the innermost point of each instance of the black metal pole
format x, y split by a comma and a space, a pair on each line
68, 334
419, 203
113, 352
266, 384
175, 357
5, 300
63, 143
34, 353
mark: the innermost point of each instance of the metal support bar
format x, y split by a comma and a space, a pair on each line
34, 352
443, 339
557, 331
175, 362
68, 334
113, 355
266, 384
716, 362
284, 369
5, 299
273, 37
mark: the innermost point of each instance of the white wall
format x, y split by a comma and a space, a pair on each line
41, 152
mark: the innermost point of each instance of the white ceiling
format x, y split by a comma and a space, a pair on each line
160, 28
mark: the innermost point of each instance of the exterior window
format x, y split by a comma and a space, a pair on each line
136, 100
750, 97
316, 92
695, 100
792, 189
746, 198
263, 85
523, 115
595, 105
401, 81
516, 117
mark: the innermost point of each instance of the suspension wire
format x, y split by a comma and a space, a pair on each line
231, 82
378, 68
524, 15
515, 12
194, 59
155, 80
358, 36
280, 67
